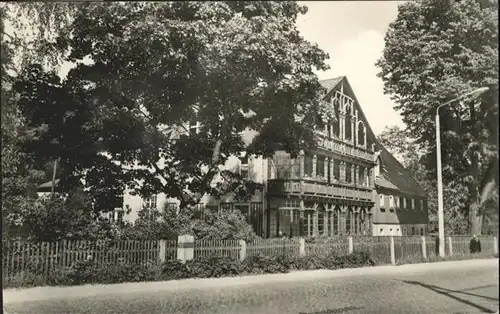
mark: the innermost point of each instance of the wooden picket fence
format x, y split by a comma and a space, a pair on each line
19, 258
207, 248
273, 247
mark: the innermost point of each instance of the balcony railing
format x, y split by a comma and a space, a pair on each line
338, 146
336, 190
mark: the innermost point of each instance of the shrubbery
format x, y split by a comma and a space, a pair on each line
89, 272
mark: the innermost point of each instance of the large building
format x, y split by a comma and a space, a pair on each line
350, 185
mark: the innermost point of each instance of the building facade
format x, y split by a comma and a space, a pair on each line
349, 185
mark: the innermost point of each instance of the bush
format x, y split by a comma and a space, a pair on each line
213, 267
264, 264
172, 270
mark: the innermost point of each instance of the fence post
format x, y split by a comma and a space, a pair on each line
424, 248
351, 246
162, 252
243, 250
495, 245
393, 255
185, 247
302, 247
450, 246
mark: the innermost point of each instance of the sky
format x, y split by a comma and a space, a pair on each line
352, 33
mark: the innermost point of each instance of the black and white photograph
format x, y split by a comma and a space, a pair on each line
250, 157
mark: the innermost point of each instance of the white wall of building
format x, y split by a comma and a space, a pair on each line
399, 230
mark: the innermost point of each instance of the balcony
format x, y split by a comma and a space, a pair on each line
333, 190
337, 146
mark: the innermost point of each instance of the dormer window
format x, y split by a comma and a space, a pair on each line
381, 200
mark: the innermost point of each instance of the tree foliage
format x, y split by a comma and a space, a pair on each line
19, 177
156, 67
169, 224
434, 52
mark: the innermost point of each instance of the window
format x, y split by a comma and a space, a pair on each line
335, 222
413, 230
397, 201
361, 134
421, 231
336, 123
362, 176
320, 166
336, 170
391, 201
377, 168
381, 231
348, 221
421, 204
356, 223
404, 202
412, 203
321, 222
308, 165
348, 173
286, 167
149, 202
116, 215
381, 200
348, 124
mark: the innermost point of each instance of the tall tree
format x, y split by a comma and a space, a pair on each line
435, 51
19, 178
159, 67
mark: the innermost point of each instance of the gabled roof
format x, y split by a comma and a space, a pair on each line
329, 84
392, 175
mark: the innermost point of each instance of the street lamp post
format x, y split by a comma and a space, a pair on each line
473, 93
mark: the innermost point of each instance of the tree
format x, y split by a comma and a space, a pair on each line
158, 67
19, 179
33, 28
168, 224
20, 176
435, 51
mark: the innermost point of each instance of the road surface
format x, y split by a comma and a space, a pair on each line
445, 287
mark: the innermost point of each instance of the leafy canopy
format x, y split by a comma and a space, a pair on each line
436, 51
157, 67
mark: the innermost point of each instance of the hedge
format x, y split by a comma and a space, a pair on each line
88, 272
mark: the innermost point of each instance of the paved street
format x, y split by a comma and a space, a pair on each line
446, 287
